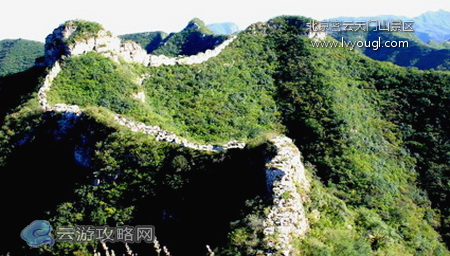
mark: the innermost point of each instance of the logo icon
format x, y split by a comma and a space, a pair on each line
38, 233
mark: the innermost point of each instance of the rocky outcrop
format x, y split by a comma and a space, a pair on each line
285, 177
57, 47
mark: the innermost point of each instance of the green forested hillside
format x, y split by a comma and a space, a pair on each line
149, 41
374, 137
194, 38
226, 98
18, 55
352, 119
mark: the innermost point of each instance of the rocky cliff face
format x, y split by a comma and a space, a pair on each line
111, 46
55, 46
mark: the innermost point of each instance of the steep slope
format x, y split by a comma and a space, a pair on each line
374, 135
18, 55
340, 115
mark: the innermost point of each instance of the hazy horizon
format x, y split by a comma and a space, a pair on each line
39, 18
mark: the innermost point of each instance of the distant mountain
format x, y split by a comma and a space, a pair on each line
417, 54
17, 55
226, 28
194, 38
433, 26
430, 26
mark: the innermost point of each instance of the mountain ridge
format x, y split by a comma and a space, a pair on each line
354, 119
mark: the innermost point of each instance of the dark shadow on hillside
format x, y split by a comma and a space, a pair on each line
38, 176
200, 213
17, 88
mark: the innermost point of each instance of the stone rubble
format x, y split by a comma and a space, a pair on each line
162, 135
287, 217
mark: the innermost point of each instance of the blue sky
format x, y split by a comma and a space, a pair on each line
35, 19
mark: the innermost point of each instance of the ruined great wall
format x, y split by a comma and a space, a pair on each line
285, 173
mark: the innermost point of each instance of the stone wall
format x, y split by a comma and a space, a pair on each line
162, 135
158, 60
111, 46
285, 177
155, 131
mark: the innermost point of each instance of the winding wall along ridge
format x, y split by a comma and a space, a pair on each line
284, 172
155, 131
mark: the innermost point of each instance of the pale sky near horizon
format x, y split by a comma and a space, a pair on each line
36, 19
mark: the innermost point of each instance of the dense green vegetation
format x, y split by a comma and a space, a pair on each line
140, 181
374, 137
223, 99
83, 30
18, 55
95, 80
18, 88
149, 41
418, 104
194, 38
343, 122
